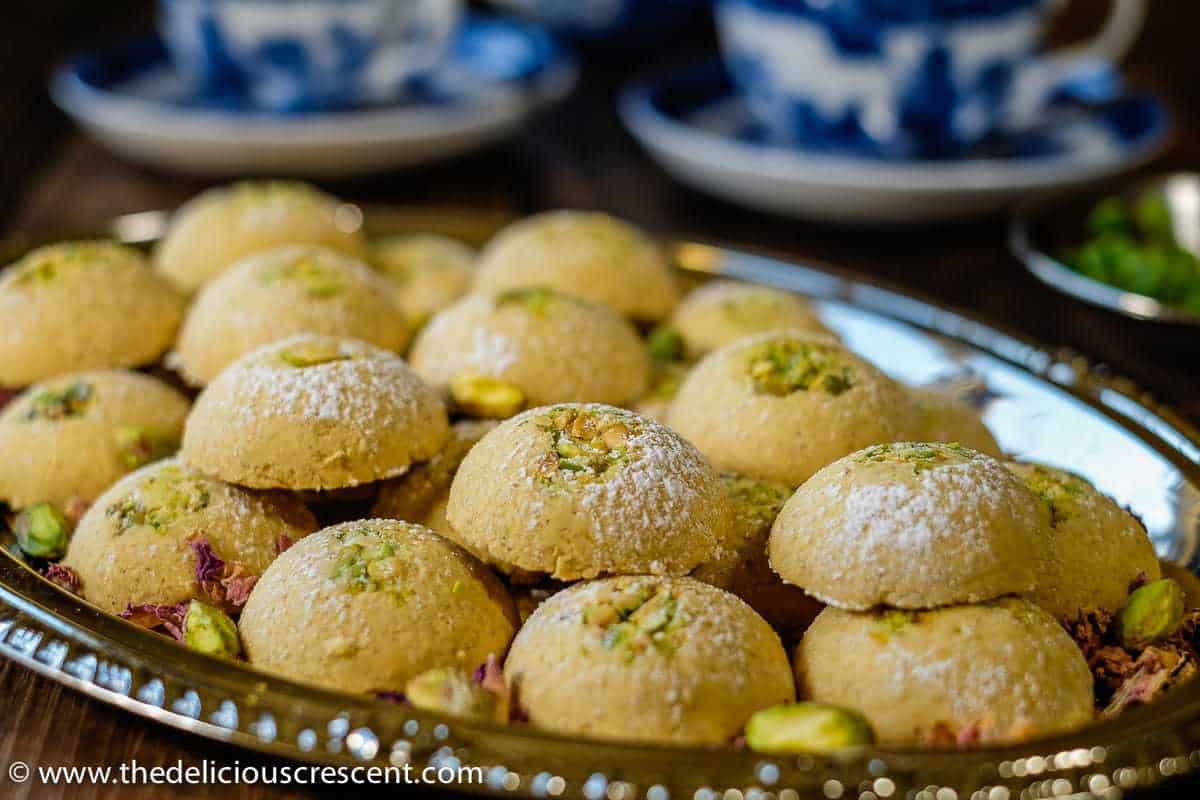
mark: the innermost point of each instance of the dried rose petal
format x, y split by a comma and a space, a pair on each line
209, 566
238, 588
64, 577
166, 619
283, 543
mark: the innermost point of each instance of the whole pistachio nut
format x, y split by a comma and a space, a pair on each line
209, 630
1153, 612
42, 531
665, 344
450, 690
807, 728
486, 397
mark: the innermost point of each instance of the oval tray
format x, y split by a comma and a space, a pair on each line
1050, 406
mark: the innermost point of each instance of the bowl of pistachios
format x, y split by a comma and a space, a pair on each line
1135, 252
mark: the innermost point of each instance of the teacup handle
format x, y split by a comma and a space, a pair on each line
1121, 29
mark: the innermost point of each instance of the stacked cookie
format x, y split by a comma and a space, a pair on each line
933, 559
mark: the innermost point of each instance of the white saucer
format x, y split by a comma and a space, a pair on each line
699, 130
134, 102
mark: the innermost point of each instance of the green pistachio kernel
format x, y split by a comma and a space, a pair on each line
318, 281
1153, 612
486, 397
42, 531
784, 367
312, 354
807, 728
138, 445
665, 344
451, 690
70, 401
535, 300
209, 630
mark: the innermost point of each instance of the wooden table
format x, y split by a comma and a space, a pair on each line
577, 156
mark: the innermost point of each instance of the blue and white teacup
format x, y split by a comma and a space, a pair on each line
908, 78
612, 22
301, 55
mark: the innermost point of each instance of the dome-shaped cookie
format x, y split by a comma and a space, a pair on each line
911, 525
1100, 549
314, 412
744, 569
553, 348
70, 438
280, 293
79, 306
941, 417
649, 659
588, 255
222, 226
994, 673
779, 406
577, 491
151, 536
431, 271
722, 311
421, 494
366, 606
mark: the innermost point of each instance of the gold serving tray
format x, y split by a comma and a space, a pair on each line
1052, 406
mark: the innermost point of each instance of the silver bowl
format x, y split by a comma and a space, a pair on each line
1038, 231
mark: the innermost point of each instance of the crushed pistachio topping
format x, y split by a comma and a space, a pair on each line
921, 455
46, 264
784, 367
139, 445
319, 281
367, 563
159, 500
637, 618
1057, 489
312, 354
757, 503
486, 397
535, 300
69, 401
588, 443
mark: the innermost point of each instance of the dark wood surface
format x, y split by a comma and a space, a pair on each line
578, 156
